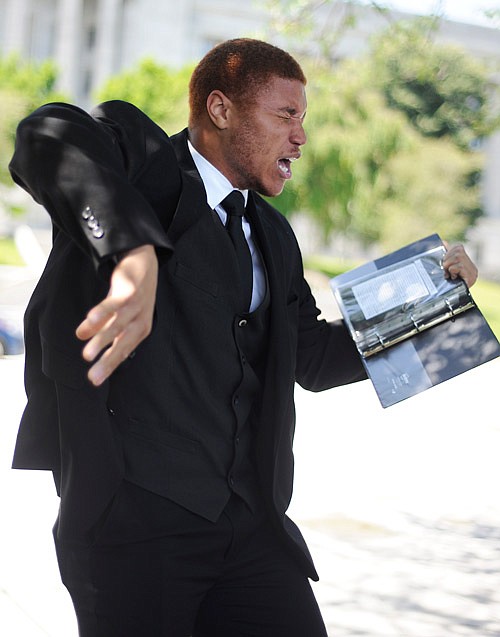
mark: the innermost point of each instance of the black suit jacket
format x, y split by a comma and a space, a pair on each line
112, 181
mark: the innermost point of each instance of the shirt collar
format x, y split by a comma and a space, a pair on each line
217, 186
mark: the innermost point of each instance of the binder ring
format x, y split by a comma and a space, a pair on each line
450, 307
381, 340
415, 323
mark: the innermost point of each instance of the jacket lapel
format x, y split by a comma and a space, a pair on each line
195, 228
192, 201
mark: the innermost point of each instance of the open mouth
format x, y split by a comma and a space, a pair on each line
284, 165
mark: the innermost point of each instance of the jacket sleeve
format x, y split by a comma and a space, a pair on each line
326, 354
88, 171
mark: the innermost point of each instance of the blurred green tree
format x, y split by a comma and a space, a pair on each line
161, 92
367, 174
23, 87
447, 95
394, 135
442, 90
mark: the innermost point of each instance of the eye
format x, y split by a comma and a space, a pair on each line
290, 119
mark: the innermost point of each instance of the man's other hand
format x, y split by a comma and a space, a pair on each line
457, 263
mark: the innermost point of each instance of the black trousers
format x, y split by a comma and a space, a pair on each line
158, 570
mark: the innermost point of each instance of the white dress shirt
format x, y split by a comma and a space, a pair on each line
217, 187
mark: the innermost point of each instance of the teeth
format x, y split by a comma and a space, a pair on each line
284, 166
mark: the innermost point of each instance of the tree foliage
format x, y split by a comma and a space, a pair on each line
393, 134
443, 91
159, 91
367, 174
350, 137
23, 87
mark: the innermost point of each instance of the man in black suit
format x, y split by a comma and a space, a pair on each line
170, 439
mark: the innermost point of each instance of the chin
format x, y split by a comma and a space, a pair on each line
277, 191
272, 191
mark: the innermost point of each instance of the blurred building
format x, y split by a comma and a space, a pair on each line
91, 40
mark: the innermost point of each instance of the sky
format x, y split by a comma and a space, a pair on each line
460, 10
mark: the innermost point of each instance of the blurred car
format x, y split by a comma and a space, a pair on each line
11, 333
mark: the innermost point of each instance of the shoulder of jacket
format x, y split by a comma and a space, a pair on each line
117, 108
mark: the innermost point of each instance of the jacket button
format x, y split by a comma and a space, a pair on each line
236, 401
231, 480
242, 323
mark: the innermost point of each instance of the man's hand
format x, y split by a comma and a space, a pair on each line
125, 317
457, 263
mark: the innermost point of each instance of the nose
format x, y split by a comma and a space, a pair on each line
298, 136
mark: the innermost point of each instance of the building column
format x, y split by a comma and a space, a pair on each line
69, 46
109, 15
15, 26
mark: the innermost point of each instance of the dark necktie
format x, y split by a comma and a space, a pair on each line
234, 205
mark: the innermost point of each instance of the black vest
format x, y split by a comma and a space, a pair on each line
251, 332
184, 408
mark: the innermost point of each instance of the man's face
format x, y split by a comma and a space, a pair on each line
265, 137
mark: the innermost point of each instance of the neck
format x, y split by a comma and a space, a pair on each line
208, 144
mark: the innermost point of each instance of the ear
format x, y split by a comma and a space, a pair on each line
218, 107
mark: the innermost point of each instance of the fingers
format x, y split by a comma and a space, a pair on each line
116, 326
106, 321
117, 341
457, 263
96, 320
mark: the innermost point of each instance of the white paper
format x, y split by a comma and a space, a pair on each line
393, 289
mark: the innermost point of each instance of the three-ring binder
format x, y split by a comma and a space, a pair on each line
390, 305
413, 327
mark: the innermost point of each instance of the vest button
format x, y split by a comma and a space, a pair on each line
242, 323
231, 480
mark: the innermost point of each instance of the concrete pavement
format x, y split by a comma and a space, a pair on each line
405, 528
400, 508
